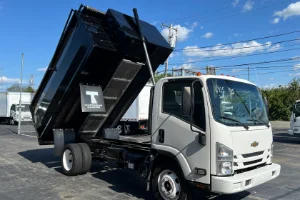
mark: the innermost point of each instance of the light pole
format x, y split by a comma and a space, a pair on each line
20, 117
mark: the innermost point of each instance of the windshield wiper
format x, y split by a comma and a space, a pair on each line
245, 126
258, 120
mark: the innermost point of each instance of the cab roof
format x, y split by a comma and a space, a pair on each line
204, 77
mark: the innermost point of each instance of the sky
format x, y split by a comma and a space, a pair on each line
208, 34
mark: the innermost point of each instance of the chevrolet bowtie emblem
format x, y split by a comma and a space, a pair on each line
254, 144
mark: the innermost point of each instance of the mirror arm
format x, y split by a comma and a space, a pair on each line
202, 137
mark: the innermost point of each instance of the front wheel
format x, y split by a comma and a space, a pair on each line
169, 184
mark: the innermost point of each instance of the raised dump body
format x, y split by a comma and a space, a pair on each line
95, 49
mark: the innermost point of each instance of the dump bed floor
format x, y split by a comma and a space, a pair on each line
145, 139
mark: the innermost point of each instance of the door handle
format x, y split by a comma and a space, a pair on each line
161, 135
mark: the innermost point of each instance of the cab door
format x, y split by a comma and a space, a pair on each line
172, 131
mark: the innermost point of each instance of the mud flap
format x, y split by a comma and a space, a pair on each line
61, 138
91, 98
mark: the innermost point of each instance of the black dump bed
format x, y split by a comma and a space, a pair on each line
101, 50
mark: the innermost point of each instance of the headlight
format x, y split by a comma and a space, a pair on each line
272, 149
224, 160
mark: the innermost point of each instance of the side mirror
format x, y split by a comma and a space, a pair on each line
186, 101
202, 139
267, 104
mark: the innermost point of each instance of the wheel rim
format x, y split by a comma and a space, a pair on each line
169, 185
119, 129
67, 160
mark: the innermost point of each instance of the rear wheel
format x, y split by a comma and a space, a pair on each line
71, 159
168, 183
86, 158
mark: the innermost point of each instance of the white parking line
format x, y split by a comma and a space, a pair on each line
28, 135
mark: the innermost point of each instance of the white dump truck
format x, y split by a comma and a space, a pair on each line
9, 107
295, 120
205, 132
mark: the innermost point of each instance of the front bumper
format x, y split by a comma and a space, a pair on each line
244, 181
294, 132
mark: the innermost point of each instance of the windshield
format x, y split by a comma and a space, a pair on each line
237, 101
297, 109
24, 107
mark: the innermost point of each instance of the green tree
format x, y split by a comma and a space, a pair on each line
159, 76
281, 99
17, 87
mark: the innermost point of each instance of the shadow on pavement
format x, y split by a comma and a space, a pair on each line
285, 138
122, 180
129, 182
44, 156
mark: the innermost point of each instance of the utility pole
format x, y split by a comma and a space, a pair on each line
1, 78
248, 74
31, 81
171, 35
19, 125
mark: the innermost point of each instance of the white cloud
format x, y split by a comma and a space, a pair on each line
296, 67
5, 79
174, 54
207, 35
182, 33
248, 6
190, 60
229, 50
275, 47
235, 3
292, 10
195, 24
237, 34
42, 69
271, 78
237, 70
154, 23
276, 20
297, 74
272, 85
201, 27
186, 66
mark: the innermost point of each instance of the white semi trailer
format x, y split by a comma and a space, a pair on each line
9, 106
135, 120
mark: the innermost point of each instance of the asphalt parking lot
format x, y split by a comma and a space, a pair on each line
30, 172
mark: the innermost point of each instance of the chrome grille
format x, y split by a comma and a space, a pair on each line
239, 171
248, 155
252, 162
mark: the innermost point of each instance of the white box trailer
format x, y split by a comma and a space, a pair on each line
9, 105
136, 117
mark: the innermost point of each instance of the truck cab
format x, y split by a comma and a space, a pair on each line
295, 120
15, 113
217, 129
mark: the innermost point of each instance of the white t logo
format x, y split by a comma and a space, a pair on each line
92, 94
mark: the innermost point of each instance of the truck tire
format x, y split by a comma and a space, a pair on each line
12, 122
169, 183
86, 158
71, 159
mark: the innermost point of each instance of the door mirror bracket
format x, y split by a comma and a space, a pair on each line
187, 106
